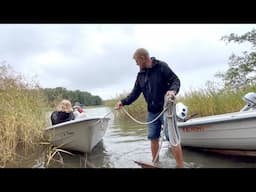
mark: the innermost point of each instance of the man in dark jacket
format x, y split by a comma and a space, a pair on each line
155, 80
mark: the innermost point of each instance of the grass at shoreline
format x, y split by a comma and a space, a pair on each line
204, 102
22, 119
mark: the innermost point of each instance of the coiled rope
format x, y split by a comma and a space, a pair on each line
170, 120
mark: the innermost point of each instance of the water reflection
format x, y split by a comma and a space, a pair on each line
126, 141
206, 159
98, 158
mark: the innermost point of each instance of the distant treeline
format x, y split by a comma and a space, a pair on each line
54, 95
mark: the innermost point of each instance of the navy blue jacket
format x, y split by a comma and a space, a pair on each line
154, 83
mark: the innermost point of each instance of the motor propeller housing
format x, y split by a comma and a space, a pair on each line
181, 111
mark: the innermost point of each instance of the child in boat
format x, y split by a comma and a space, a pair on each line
63, 113
78, 111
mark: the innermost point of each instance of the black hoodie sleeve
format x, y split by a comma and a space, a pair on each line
173, 82
133, 95
71, 116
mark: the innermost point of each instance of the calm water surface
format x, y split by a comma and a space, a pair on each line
126, 141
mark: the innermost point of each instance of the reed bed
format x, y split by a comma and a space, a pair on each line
204, 102
22, 119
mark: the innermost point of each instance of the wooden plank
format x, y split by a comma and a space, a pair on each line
146, 165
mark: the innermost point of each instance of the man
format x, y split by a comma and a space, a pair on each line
155, 80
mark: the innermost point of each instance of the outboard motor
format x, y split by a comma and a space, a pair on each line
181, 111
250, 99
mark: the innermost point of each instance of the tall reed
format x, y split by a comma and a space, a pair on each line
214, 101
207, 101
22, 118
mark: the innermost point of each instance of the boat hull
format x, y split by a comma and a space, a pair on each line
78, 135
231, 132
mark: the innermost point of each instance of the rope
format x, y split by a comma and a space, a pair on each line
100, 120
147, 123
170, 122
143, 123
108, 113
160, 146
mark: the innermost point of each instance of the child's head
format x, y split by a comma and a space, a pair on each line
65, 106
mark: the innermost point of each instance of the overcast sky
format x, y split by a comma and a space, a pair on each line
98, 57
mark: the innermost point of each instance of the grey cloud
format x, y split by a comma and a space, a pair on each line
82, 67
97, 72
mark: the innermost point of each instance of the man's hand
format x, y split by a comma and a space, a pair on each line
119, 105
170, 95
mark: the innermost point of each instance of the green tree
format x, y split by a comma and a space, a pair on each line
241, 72
55, 95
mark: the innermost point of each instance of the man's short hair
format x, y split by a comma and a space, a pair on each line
141, 52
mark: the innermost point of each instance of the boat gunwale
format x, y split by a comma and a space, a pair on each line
76, 121
236, 116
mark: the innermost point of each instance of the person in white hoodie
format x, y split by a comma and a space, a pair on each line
78, 111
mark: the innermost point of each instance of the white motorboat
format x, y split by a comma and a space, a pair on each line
230, 133
82, 134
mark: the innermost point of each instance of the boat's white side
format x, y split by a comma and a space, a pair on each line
236, 131
79, 135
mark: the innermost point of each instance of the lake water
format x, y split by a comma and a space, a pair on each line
126, 141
